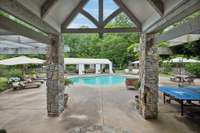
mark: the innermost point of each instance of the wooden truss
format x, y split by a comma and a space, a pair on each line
100, 23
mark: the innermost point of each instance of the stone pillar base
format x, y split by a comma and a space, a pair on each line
149, 72
55, 78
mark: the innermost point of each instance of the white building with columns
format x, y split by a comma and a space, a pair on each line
94, 63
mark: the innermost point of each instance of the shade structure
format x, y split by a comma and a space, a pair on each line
37, 61
21, 60
135, 62
181, 60
86, 61
80, 62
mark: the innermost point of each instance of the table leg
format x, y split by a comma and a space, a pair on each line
182, 107
164, 98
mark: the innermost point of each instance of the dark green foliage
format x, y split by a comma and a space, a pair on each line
194, 69
71, 68
3, 84
14, 72
68, 82
189, 49
166, 68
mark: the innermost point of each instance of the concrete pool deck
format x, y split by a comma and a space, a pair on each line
90, 110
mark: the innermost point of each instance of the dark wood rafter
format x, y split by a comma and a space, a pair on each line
47, 5
158, 5
90, 17
22, 51
73, 14
133, 18
112, 16
182, 10
100, 23
101, 18
190, 27
16, 9
104, 30
19, 29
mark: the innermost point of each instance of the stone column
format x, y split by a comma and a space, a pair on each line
55, 76
98, 68
149, 75
81, 69
110, 68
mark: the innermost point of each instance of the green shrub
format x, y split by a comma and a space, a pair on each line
14, 72
167, 68
3, 71
68, 82
3, 84
194, 69
71, 68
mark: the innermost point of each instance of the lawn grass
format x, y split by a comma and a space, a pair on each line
3, 83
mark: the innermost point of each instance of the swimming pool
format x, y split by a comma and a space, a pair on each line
103, 80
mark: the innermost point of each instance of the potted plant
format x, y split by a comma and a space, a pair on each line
67, 82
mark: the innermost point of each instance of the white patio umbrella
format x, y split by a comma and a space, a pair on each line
37, 61
21, 60
135, 62
181, 60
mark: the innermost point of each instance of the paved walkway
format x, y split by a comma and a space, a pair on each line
90, 110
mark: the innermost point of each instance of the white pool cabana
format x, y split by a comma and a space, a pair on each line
81, 62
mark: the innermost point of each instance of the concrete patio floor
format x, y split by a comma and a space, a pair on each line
90, 110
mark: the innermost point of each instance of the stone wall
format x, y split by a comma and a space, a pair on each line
149, 72
55, 77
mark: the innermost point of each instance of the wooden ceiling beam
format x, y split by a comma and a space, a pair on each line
46, 7
16, 9
190, 27
19, 29
90, 17
133, 18
73, 14
182, 10
158, 5
104, 30
22, 51
112, 16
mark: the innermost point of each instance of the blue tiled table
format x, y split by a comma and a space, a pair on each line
181, 94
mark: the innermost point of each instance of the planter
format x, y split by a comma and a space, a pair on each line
137, 102
131, 83
66, 97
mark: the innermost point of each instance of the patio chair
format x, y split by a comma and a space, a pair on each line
135, 71
31, 85
126, 70
24, 85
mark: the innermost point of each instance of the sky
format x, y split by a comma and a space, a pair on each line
92, 8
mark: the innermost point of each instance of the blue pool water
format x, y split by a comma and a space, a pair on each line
103, 80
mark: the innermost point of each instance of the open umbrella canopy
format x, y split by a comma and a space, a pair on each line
37, 61
21, 60
135, 62
181, 60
